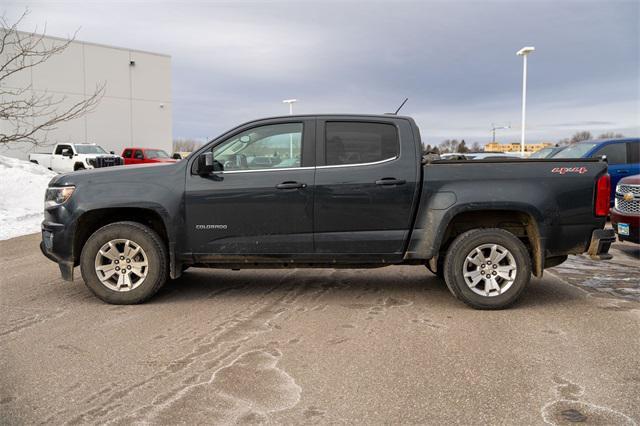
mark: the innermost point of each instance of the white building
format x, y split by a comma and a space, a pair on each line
134, 111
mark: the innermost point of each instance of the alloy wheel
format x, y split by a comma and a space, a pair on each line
489, 270
121, 265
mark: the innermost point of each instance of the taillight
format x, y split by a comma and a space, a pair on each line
603, 192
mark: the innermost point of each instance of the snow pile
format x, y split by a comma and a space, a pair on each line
22, 200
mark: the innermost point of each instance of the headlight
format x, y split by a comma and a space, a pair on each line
57, 195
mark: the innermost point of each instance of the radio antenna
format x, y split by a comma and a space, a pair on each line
401, 105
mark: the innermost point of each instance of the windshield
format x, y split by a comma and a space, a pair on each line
542, 153
90, 149
156, 153
577, 150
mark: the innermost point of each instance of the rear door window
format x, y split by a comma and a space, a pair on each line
138, 155
633, 152
360, 142
616, 153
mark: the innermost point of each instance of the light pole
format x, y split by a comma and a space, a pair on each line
290, 102
494, 128
524, 52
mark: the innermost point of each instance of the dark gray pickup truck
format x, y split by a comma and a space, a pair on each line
336, 191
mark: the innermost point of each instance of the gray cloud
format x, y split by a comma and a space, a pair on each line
455, 60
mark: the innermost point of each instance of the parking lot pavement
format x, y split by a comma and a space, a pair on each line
375, 346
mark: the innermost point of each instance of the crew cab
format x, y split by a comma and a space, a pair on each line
339, 191
70, 157
145, 156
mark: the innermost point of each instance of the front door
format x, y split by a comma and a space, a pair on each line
262, 203
62, 159
366, 181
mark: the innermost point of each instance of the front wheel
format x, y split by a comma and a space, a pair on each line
487, 268
124, 263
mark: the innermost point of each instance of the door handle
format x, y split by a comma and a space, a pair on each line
291, 185
390, 181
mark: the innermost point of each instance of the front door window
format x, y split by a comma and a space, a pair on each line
274, 146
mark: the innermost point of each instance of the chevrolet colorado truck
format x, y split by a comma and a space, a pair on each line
70, 157
332, 191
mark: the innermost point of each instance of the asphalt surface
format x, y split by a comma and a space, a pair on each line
375, 346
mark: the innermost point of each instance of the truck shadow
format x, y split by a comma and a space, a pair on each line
345, 286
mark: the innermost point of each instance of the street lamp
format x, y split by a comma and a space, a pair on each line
524, 52
290, 102
494, 128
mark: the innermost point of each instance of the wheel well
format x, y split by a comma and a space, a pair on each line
93, 220
78, 166
520, 224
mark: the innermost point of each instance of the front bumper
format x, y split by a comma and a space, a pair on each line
57, 245
633, 220
601, 240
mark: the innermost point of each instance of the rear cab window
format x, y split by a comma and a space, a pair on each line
616, 153
126, 153
633, 152
351, 142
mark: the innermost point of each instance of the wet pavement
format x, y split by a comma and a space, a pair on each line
383, 346
618, 277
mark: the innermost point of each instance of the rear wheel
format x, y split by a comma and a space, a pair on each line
487, 268
124, 263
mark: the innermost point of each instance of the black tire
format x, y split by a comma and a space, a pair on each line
463, 245
144, 237
78, 167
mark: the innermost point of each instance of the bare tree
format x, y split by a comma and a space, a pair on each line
449, 145
185, 145
29, 113
581, 136
475, 147
611, 135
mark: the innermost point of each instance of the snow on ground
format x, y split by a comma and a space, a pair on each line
22, 201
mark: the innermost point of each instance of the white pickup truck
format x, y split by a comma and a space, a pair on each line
69, 157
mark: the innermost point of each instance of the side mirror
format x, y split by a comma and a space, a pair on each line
111, 152
207, 164
69, 154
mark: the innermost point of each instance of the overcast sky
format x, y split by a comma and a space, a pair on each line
455, 60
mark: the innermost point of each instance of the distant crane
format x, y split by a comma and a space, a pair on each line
494, 128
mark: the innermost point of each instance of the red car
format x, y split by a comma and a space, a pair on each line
145, 156
625, 215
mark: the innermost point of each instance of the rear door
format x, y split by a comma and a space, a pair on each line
138, 157
366, 182
127, 154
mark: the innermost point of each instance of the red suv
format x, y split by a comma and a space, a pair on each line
145, 155
625, 215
